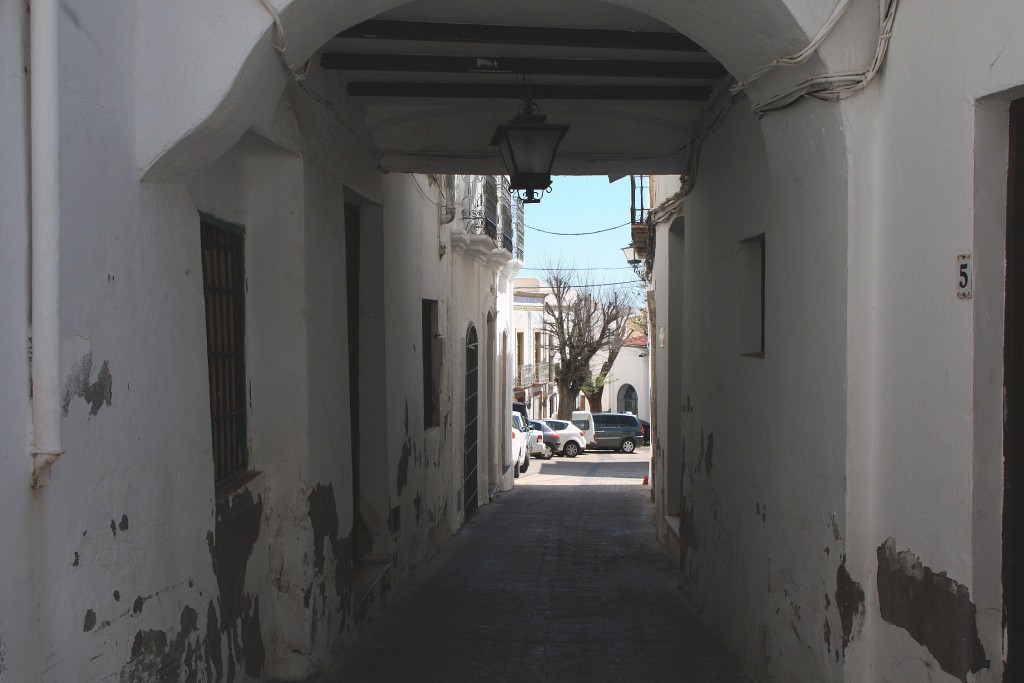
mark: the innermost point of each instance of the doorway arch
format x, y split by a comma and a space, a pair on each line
627, 400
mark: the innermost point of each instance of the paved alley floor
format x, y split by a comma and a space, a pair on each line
560, 579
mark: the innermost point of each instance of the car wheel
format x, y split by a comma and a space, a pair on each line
571, 449
526, 464
628, 445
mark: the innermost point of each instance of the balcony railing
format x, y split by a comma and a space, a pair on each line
529, 375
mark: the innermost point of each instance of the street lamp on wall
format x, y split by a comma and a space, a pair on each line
634, 260
527, 146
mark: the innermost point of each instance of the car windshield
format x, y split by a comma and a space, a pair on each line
541, 426
557, 424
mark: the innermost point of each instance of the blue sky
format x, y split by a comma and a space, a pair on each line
579, 204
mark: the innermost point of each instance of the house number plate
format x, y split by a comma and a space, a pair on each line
965, 277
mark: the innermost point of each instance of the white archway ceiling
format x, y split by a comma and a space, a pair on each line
195, 97
436, 76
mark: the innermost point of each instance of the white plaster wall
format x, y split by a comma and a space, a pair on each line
761, 447
19, 523
929, 446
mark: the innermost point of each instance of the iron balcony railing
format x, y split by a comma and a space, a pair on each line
529, 375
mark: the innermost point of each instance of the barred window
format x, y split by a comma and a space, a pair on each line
224, 292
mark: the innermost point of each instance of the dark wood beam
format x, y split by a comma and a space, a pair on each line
522, 65
537, 91
520, 35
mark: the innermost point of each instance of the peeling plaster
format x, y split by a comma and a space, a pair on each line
407, 451
77, 385
237, 530
323, 517
934, 609
156, 658
849, 602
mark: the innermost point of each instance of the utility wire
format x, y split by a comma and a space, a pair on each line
594, 268
595, 284
577, 234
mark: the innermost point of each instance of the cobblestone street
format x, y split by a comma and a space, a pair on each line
561, 579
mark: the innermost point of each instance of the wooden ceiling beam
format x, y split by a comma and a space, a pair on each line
521, 35
537, 91
522, 65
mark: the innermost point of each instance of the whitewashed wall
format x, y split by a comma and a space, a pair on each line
130, 554
863, 452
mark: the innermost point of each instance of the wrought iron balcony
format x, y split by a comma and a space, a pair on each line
530, 375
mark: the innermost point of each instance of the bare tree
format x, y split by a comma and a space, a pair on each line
582, 318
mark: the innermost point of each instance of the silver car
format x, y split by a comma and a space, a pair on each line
572, 437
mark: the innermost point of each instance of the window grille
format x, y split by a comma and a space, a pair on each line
224, 293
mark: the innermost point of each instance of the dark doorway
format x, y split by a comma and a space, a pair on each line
1013, 416
471, 433
352, 221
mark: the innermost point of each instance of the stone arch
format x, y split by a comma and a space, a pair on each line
204, 76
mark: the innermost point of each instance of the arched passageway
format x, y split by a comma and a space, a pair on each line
827, 469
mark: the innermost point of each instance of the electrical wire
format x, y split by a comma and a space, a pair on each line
595, 284
799, 57
420, 188
578, 234
279, 44
838, 86
578, 269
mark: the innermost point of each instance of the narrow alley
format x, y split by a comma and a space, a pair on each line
562, 579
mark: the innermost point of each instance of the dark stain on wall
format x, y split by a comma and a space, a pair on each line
323, 517
828, 635
407, 452
849, 602
237, 530
155, 658
253, 652
707, 451
77, 385
395, 520
933, 608
214, 656
418, 504
138, 603
90, 620
123, 526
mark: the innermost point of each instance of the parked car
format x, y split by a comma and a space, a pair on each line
520, 445
584, 419
520, 407
538, 446
617, 431
552, 439
572, 437
646, 426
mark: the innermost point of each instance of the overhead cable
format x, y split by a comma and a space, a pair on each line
577, 235
799, 57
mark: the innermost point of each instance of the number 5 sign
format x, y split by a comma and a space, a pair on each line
965, 277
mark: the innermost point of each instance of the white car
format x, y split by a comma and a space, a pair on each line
520, 444
573, 439
537, 445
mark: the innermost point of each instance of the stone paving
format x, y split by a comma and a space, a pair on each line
560, 579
